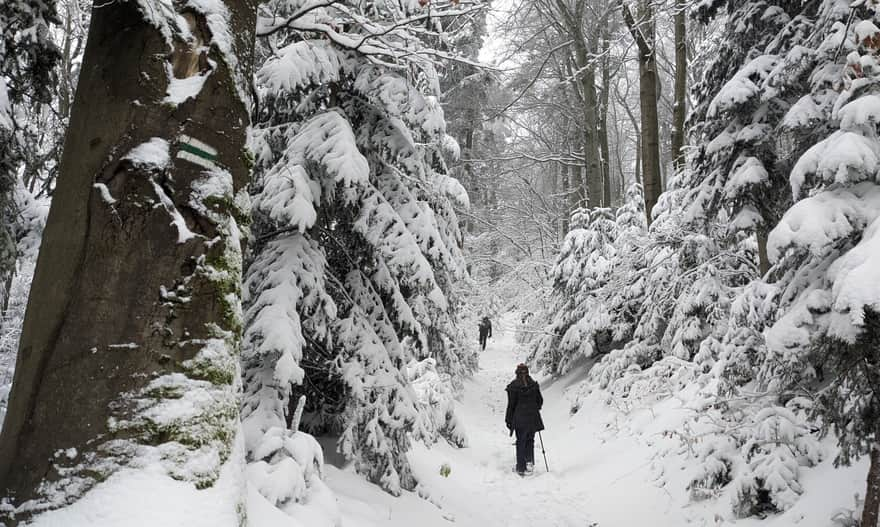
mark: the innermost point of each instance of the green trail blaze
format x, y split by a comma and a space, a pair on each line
186, 147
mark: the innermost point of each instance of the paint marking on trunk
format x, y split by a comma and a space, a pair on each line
192, 158
192, 141
198, 152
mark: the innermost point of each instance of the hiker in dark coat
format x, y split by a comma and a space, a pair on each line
523, 417
485, 332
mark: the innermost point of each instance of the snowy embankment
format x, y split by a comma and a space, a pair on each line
609, 466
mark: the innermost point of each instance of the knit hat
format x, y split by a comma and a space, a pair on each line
521, 368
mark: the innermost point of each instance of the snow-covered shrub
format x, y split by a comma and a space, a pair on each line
632, 358
844, 517
761, 450
286, 469
717, 456
436, 401
780, 444
660, 380
580, 271
742, 347
284, 475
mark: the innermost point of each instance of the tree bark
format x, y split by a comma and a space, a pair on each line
592, 184
603, 119
560, 201
871, 511
763, 259
637, 170
575, 196
643, 33
679, 109
64, 87
569, 203
572, 18
139, 269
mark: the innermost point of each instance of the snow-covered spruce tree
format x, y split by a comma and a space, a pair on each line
734, 190
583, 267
356, 242
466, 93
825, 252
27, 56
763, 102
805, 85
581, 276
134, 310
717, 212
746, 138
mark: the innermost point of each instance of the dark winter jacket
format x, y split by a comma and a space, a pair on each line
524, 405
485, 328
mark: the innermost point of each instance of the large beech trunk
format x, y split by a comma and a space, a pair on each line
140, 260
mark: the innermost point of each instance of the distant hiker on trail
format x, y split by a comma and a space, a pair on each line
524, 403
485, 332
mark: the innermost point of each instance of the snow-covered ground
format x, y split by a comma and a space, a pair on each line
607, 469
481, 489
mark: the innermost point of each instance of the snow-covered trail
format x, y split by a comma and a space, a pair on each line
482, 489
601, 474
592, 482
607, 468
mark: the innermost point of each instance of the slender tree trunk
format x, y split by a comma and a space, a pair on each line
552, 184
570, 186
64, 88
135, 295
592, 184
871, 512
679, 109
638, 164
7, 292
603, 120
574, 194
560, 202
8, 249
763, 260
643, 33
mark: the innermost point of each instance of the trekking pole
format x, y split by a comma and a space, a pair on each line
543, 452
